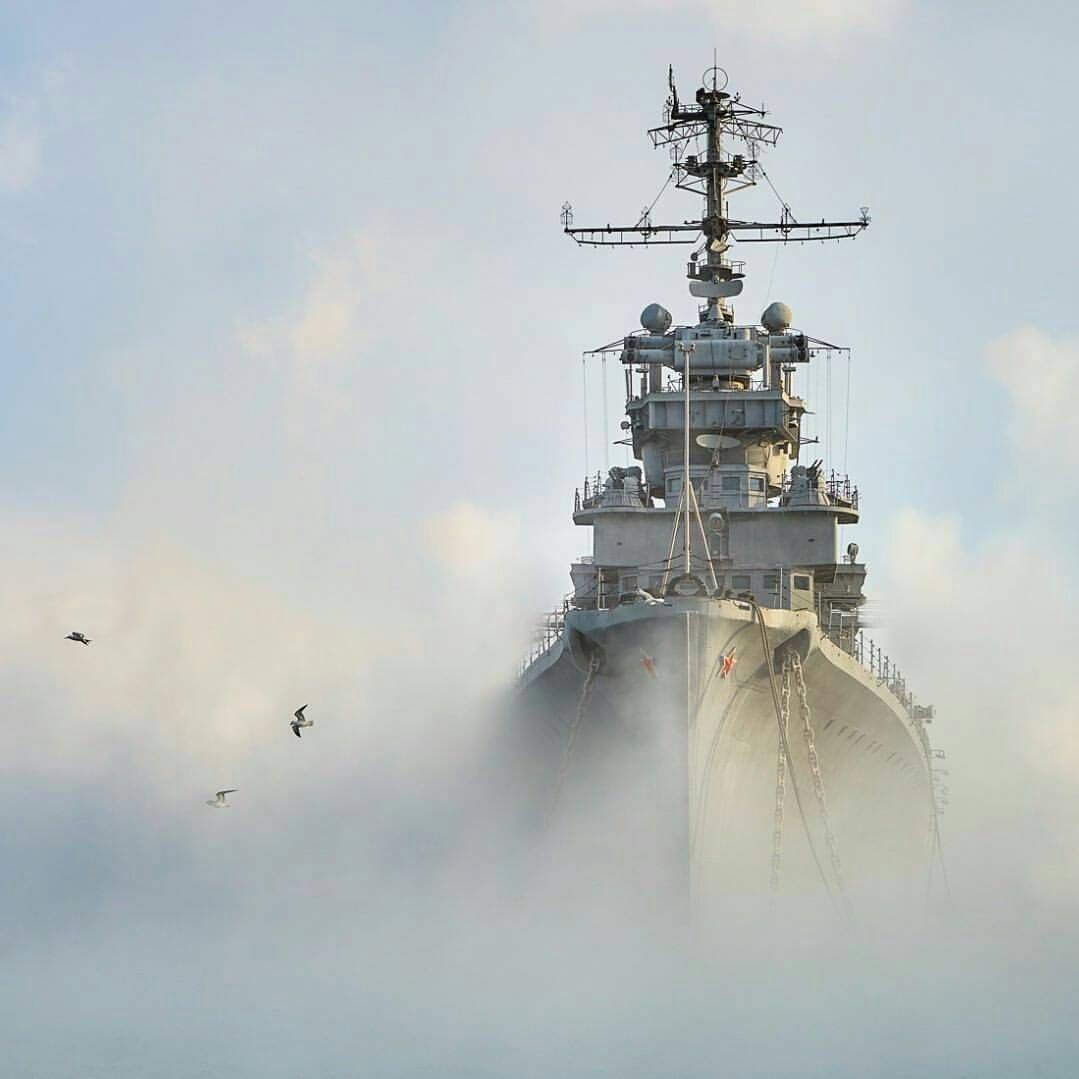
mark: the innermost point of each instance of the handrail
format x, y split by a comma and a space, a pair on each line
874, 659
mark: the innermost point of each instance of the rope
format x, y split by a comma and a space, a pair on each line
936, 852
787, 749
582, 704
781, 788
795, 662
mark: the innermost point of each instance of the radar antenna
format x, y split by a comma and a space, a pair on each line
713, 172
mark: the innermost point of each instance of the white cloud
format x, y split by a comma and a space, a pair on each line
327, 330
990, 631
1041, 377
472, 541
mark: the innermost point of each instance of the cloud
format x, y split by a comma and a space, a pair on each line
1040, 375
332, 325
471, 541
777, 21
988, 627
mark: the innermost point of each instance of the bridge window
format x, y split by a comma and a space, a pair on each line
802, 583
756, 483
740, 581
771, 582
732, 483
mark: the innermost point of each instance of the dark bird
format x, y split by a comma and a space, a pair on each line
300, 721
218, 801
75, 635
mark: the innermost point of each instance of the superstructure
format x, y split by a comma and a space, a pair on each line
709, 674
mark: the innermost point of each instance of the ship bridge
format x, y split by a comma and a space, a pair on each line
720, 503
753, 520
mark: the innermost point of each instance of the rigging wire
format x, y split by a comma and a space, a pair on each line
606, 422
652, 205
772, 275
828, 408
782, 201
846, 417
584, 395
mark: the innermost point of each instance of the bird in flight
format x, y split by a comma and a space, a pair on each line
75, 635
651, 600
300, 721
728, 664
218, 801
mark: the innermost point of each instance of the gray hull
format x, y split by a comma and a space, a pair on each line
671, 782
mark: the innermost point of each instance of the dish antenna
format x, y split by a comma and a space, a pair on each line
718, 442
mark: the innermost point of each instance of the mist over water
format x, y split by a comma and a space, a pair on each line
405, 899
399, 893
291, 349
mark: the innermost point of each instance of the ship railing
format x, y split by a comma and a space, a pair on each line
597, 491
589, 494
887, 674
547, 633
836, 485
839, 488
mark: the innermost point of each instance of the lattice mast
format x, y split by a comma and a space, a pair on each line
713, 172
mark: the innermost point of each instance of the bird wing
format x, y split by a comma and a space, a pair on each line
299, 712
296, 730
231, 790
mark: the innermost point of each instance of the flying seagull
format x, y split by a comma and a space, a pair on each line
75, 635
219, 802
300, 721
651, 600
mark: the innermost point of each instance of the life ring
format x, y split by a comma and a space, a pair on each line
686, 584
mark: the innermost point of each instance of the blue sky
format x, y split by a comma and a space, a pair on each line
290, 343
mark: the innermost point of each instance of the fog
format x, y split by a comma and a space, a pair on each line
399, 894
292, 416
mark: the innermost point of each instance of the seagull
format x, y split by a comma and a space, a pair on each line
75, 635
651, 600
218, 802
300, 721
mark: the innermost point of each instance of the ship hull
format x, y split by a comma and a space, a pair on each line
670, 778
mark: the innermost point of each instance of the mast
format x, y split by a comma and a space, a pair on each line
714, 143
713, 172
715, 261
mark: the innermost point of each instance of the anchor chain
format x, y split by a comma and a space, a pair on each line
582, 705
814, 767
781, 780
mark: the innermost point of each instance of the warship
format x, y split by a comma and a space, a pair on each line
707, 691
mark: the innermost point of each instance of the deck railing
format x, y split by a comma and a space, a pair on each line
547, 632
875, 660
